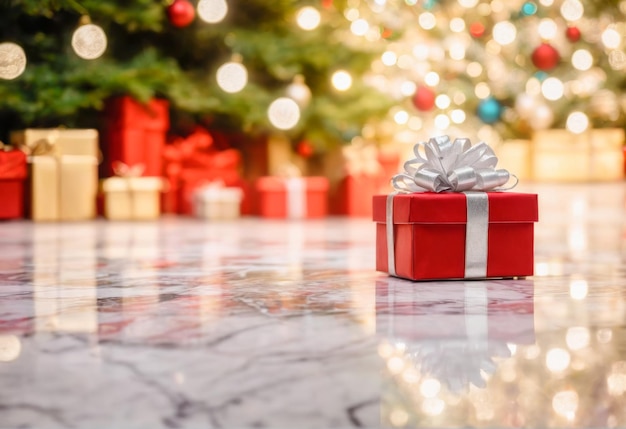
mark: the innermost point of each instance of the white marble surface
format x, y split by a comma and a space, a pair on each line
188, 324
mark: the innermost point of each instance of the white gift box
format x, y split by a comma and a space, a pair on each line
216, 202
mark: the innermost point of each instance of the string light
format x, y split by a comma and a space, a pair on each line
431, 78
468, 4
309, 18
341, 80
12, 60
504, 32
442, 101
232, 76
427, 21
572, 10
547, 29
389, 58
457, 25
577, 123
299, 91
457, 116
284, 113
611, 38
212, 11
89, 41
565, 404
582, 59
360, 27
552, 88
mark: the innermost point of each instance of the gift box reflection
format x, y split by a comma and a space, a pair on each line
452, 331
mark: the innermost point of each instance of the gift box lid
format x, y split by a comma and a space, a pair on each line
124, 184
66, 141
12, 165
279, 184
450, 207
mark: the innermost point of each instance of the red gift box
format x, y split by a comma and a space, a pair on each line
13, 173
293, 197
429, 231
193, 162
354, 194
136, 133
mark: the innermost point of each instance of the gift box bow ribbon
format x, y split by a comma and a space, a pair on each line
454, 166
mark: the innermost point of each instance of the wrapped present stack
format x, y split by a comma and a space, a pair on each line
193, 162
63, 173
444, 223
135, 134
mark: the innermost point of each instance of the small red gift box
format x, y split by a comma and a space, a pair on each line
135, 133
354, 194
429, 233
293, 197
12, 176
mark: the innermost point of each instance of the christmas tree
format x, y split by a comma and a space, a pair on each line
218, 62
505, 68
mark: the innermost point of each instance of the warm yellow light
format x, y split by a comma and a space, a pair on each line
572, 10
611, 38
405, 62
457, 116
552, 88
533, 86
89, 41
360, 27
212, 11
577, 338
398, 417
433, 406
457, 25
401, 117
442, 122
504, 32
430, 387
565, 404
557, 359
442, 101
431, 79
468, 4
284, 113
309, 18
389, 58
604, 335
427, 20
421, 52
459, 98
342, 81
395, 365
582, 59
546, 2
547, 29
351, 14
482, 90
12, 60
10, 348
457, 51
408, 88
232, 77
577, 123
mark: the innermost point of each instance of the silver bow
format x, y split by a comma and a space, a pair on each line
455, 166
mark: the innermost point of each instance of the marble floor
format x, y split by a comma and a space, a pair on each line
255, 323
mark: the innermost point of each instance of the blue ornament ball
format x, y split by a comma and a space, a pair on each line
489, 110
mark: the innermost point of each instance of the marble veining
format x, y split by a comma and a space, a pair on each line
183, 323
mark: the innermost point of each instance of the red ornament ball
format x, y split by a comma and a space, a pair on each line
477, 29
181, 13
305, 149
573, 34
545, 57
424, 98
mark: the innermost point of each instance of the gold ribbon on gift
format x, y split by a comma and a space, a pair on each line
442, 165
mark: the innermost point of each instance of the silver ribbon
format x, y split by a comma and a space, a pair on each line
453, 166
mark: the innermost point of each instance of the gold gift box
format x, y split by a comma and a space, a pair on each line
562, 156
64, 141
214, 202
132, 198
63, 172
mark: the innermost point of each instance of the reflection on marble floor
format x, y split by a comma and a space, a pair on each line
255, 323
